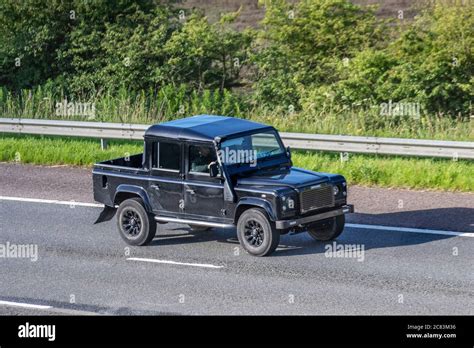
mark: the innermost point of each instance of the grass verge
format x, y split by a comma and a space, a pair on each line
385, 171
173, 102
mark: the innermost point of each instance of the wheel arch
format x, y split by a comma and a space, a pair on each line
251, 202
125, 191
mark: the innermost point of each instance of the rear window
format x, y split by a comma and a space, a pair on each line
168, 156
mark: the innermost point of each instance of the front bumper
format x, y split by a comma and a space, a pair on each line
285, 224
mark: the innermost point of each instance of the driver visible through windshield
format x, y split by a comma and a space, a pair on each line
250, 149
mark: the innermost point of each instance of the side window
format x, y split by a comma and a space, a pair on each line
200, 157
167, 156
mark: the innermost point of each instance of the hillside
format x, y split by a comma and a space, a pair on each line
252, 13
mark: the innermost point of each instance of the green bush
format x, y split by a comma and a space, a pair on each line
305, 43
431, 63
309, 65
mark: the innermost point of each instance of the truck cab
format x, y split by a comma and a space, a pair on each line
220, 172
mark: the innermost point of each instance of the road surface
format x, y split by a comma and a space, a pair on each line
415, 256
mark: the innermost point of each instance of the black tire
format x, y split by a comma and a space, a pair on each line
327, 229
196, 228
256, 234
135, 225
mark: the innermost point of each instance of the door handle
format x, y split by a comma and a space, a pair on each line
155, 187
190, 191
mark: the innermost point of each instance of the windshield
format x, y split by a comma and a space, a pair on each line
251, 149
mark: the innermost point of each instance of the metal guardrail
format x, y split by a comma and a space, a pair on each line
301, 141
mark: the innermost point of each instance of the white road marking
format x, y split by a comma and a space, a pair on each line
24, 305
412, 230
204, 265
50, 201
368, 227
51, 308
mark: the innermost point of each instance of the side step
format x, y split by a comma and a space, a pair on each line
192, 222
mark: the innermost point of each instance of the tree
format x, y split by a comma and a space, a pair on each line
431, 63
32, 33
302, 44
206, 55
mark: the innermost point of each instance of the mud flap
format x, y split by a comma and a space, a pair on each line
106, 214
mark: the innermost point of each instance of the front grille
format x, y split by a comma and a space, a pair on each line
316, 197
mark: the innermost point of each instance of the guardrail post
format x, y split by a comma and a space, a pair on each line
103, 144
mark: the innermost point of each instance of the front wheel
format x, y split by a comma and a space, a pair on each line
257, 235
327, 229
135, 225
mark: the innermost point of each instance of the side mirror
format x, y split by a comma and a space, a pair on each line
288, 152
213, 169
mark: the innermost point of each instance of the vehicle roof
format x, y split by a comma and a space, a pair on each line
204, 128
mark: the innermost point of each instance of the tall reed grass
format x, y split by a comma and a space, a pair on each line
169, 102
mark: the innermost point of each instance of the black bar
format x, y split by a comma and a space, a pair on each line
194, 330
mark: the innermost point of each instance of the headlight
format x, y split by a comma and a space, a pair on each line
335, 189
287, 203
291, 203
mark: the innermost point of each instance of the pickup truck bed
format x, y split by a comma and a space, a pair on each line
108, 175
118, 164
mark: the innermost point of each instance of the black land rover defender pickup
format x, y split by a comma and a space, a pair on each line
213, 171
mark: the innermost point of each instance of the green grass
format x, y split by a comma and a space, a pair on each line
370, 123
390, 171
53, 151
385, 171
173, 102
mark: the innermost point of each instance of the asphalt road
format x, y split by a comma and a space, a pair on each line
84, 268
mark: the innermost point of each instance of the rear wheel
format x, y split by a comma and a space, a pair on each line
196, 228
257, 235
135, 225
327, 229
